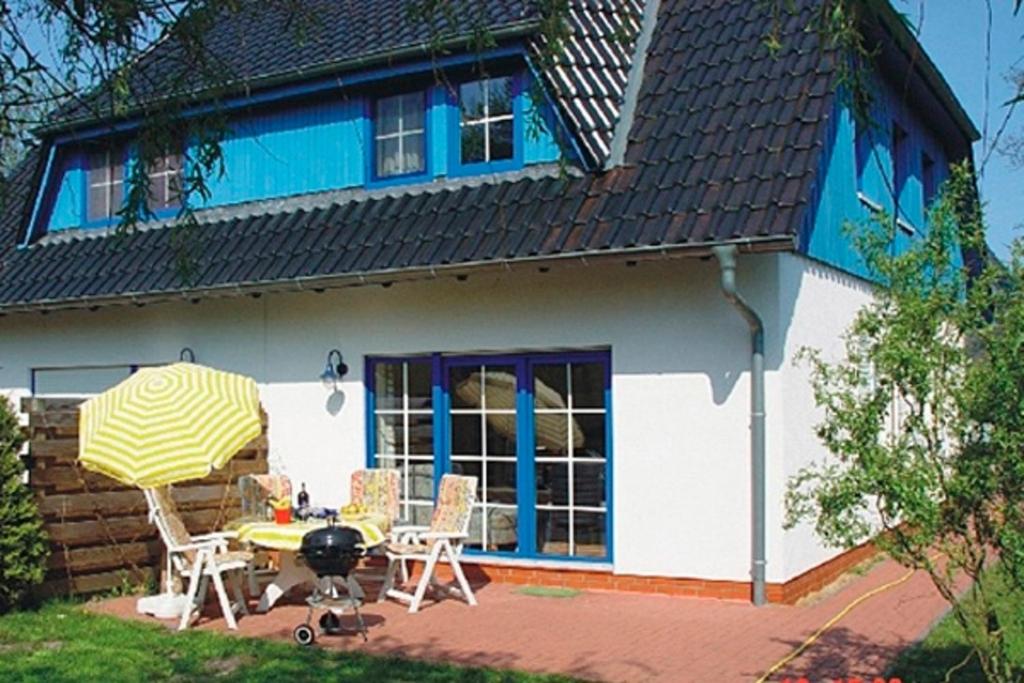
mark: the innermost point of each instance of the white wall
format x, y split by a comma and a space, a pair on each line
680, 361
824, 304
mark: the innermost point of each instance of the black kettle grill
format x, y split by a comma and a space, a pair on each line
332, 553
332, 550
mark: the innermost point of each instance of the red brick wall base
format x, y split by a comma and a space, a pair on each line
788, 593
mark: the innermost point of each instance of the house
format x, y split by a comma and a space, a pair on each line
571, 279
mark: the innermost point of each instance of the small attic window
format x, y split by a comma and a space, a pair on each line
399, 135
487, 120
106, 182
165, 179
928, 181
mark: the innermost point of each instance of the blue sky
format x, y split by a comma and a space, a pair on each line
953, 33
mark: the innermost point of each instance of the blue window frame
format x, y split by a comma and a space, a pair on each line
486, 131
534, 428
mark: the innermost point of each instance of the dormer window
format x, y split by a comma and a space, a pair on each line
487, 121
165, 183
400, 135
106, 183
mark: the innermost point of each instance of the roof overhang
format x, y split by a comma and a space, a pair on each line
320, 283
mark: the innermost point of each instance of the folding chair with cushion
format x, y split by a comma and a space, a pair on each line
449, 528
199, 559
377, 491
257, 490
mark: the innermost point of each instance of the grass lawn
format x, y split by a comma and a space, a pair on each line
945, 647
61, 642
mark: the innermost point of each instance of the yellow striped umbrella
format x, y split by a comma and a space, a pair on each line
168, 424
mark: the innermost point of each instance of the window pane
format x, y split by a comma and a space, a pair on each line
98, 202
587, 385
388, 160
552, 483
413, 111
588, 484
388, 386
421, 434
499, 96
473, 143
420, 386
592, 430
500, 385
475, 539
466, 389
589, 528
501, 140
390, 434
550, 386
470, 469
466, 436
501, 435
116, 193
551, 432
420, 515
388, 115
501, 529
421, 480
501, 482
414, 161
471, 100
553, 532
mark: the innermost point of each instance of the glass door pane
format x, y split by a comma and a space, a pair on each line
404, 424
569, 424
482, 443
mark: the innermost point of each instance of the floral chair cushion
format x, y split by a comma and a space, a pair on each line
377, 491
455, 499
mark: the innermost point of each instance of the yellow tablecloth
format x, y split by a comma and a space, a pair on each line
289, 536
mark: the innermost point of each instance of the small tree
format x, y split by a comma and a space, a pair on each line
23, 547
924, 418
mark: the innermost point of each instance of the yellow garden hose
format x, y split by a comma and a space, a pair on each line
830, 623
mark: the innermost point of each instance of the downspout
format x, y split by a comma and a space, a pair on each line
726, 256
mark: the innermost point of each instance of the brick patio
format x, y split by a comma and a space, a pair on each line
627, 637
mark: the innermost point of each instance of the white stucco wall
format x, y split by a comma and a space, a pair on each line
824, 302
680, 360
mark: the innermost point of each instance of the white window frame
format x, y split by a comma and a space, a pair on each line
570, 459
108, 183
402, 458
401, 134
486, 120
166, 177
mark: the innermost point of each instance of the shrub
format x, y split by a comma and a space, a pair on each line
23, 545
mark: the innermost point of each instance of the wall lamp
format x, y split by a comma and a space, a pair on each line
335, 369
187, 355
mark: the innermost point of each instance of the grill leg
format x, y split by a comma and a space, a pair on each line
359, 620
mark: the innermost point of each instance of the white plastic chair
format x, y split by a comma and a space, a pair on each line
449, 528
199, 559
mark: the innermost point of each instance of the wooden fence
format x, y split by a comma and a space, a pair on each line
100, 535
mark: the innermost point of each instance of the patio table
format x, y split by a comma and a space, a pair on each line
287, 538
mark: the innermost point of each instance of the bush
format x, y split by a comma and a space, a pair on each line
23, 545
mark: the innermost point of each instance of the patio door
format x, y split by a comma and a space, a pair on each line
534, 429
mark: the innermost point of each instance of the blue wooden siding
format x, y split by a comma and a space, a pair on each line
857, 172
285, 149
65, 199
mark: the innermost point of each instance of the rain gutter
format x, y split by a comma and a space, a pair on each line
316, 283
726, 255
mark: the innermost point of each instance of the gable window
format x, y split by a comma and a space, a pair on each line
486, 123
928, 184
165, 182
106, 183
400, 135
899, 164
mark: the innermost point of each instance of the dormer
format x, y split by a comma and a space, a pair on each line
386, 127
